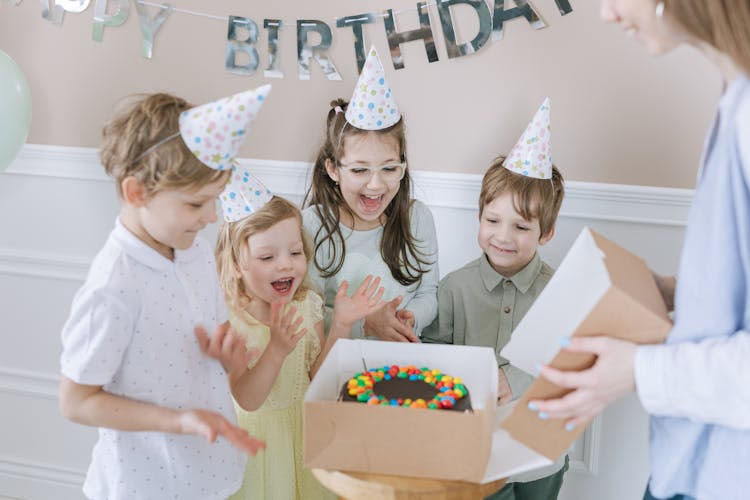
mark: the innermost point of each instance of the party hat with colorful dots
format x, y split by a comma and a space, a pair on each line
243, 195
215, 131
372, 106
531, 154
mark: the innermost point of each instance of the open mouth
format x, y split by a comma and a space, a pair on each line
371, 203
283, 286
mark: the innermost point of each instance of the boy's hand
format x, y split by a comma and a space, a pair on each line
210, 424
385, 325
504, 393
226, 346
363, 302
284, 333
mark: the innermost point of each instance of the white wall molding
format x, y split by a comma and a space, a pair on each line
583, 200
16, 262
28, 383
36, 472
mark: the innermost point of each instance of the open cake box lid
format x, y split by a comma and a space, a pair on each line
598, 289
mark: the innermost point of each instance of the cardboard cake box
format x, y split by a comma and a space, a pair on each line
599, 288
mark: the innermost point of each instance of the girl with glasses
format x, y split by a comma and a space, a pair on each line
361, 215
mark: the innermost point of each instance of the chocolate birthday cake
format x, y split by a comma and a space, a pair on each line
407, 386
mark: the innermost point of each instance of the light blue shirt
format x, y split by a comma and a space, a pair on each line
697, 385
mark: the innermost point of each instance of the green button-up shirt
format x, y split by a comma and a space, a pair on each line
479, 306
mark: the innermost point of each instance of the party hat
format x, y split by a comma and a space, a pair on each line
215, 131
243, 195
372, 106
531, 154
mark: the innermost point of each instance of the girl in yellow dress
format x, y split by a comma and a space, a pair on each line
263, 260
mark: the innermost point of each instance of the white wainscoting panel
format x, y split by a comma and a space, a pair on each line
57, 208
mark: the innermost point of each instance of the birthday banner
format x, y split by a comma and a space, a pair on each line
243, 33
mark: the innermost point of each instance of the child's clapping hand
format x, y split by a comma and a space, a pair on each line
389, 323
363, 302
285, 333
209, 425
226, 346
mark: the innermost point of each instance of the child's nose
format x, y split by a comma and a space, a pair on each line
210, 215
285, 262
375, 181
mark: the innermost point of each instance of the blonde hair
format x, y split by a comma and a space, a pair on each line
399, 248
139, 123
232, 249
723, 24
532, 197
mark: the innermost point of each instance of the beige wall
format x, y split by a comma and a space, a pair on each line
618, 116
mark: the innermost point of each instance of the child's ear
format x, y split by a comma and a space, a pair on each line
332, 171
545, 239
133, 191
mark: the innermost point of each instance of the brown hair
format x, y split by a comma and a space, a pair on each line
532, 197
141, 122
398, 246
231, 249
723, 24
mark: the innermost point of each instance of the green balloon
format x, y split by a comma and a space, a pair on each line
15, 110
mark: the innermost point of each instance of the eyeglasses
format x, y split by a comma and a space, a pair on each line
389, 173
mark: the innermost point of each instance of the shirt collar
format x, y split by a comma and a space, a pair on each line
522, 280
146, 255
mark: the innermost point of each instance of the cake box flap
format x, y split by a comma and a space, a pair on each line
599, 289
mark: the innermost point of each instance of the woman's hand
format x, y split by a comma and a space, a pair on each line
610, 378
386, 325
363, 302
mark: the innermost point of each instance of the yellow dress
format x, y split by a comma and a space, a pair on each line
278, 473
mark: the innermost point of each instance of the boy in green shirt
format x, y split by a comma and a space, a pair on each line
481, 303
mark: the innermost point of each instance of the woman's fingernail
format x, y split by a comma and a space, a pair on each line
564, 341
570, 426
543, 415
532, 406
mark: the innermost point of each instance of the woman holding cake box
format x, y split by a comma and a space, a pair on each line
695, 386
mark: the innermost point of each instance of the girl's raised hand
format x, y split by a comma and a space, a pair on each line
209, 425
285, 333
363, 302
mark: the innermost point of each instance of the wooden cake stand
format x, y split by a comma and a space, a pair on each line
363, 486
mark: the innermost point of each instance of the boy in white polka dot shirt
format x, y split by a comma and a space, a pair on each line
136, 360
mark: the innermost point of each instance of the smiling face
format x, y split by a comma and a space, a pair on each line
638, 19
508, 240
171, 218
367, 199
274, 264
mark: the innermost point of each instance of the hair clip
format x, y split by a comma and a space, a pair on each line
338, 109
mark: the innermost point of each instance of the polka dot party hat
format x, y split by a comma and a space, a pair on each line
243, 195
372, 106
215, 131
531, 154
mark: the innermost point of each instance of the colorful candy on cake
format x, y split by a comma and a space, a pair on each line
407, 386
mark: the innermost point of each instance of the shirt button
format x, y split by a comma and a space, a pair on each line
508, 282
506, 309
